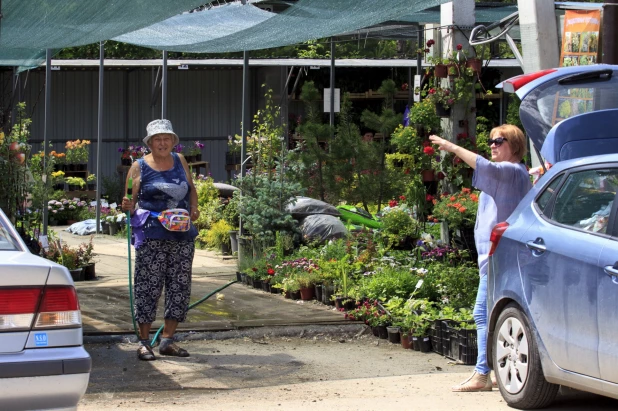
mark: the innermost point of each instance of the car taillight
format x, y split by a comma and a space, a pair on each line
496, 235
53, 306
513, 84
17, 307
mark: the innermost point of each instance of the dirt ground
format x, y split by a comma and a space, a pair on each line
303, 369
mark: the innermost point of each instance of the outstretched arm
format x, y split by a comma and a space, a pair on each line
466, 155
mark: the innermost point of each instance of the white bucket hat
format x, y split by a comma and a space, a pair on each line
160, 127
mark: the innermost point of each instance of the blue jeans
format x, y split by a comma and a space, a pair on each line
480, 318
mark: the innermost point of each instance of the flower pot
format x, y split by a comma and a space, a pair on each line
198, 157
89, 272
104, 227
77, 274
475, 64
339, 303
71, 222
307, 293
453, 70
238, 276
225, 249
428, 175
415, 344
327, 293
318, 292
393, 334
59, 186
266, 286
349, 305
375, 332
382, 332
274, 290
257, 283
81, 167
424, 343
92, 186
295, 295
441, 71
113, 228
234, 241
441, 111
125, 161
404, 338
249, 281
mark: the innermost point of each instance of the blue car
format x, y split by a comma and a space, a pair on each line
553, 265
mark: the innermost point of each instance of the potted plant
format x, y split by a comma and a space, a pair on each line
459, 211
218, 236
75, 183
195, 151
58, 180
306, 281
66, 256
91, 181
77, 152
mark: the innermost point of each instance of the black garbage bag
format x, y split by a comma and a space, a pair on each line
322, 227
306, 206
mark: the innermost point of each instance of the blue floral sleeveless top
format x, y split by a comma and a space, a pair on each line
163, 190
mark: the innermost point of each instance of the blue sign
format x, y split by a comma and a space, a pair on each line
40, 339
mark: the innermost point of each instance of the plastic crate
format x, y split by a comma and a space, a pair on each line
452, 342
446, 339
435, 332
468, 348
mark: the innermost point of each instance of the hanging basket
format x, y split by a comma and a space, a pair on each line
475, 64
441, 111
428, 175
441, 71
453, 70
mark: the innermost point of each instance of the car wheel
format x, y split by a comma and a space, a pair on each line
517, 363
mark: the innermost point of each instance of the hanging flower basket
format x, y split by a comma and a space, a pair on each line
441, 71
475, 64
453, 70
428, 175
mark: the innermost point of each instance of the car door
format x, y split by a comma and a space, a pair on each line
560, 269
607, 303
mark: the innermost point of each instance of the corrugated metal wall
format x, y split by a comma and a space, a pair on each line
203, 104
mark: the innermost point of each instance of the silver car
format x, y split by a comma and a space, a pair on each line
553, 266
43, 364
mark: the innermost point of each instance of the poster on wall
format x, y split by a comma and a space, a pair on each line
580, 38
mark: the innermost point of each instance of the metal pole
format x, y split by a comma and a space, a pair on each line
609, 46
13, 96
419, 63
164, 87
48, 54
100, 134
244, 131
332, 87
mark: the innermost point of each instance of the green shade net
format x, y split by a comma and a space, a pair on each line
28, 27
305, 20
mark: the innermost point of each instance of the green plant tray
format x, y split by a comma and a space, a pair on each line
358, 216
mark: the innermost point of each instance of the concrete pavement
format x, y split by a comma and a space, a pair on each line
105, 301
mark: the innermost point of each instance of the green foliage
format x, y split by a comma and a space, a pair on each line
483, 128
512, 111
388, 283
267, 135
230, 211
208, 203
14, 149
218, 234
76, 181
398, 225
423, 115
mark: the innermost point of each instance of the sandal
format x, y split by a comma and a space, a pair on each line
145, 353
174, 351
475, 383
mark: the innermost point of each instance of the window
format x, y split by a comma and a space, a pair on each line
586, 198
7, 241
544, 198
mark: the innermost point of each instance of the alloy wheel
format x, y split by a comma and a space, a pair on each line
512, 355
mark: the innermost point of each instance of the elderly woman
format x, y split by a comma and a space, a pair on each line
503, 182
161, 181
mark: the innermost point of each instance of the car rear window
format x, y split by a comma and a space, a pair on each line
7, 241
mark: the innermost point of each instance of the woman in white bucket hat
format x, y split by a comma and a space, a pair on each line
161, 181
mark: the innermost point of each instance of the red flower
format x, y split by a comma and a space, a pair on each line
429, 151
447, 92
392, 203
404, 86
426, 50
459, 47
432, 91
429, 197
430, 42
270, 271
406, 171
457, 160
254, 269
466, 190
441, 175
402, 198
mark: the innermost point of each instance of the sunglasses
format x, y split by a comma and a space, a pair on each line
497, 141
